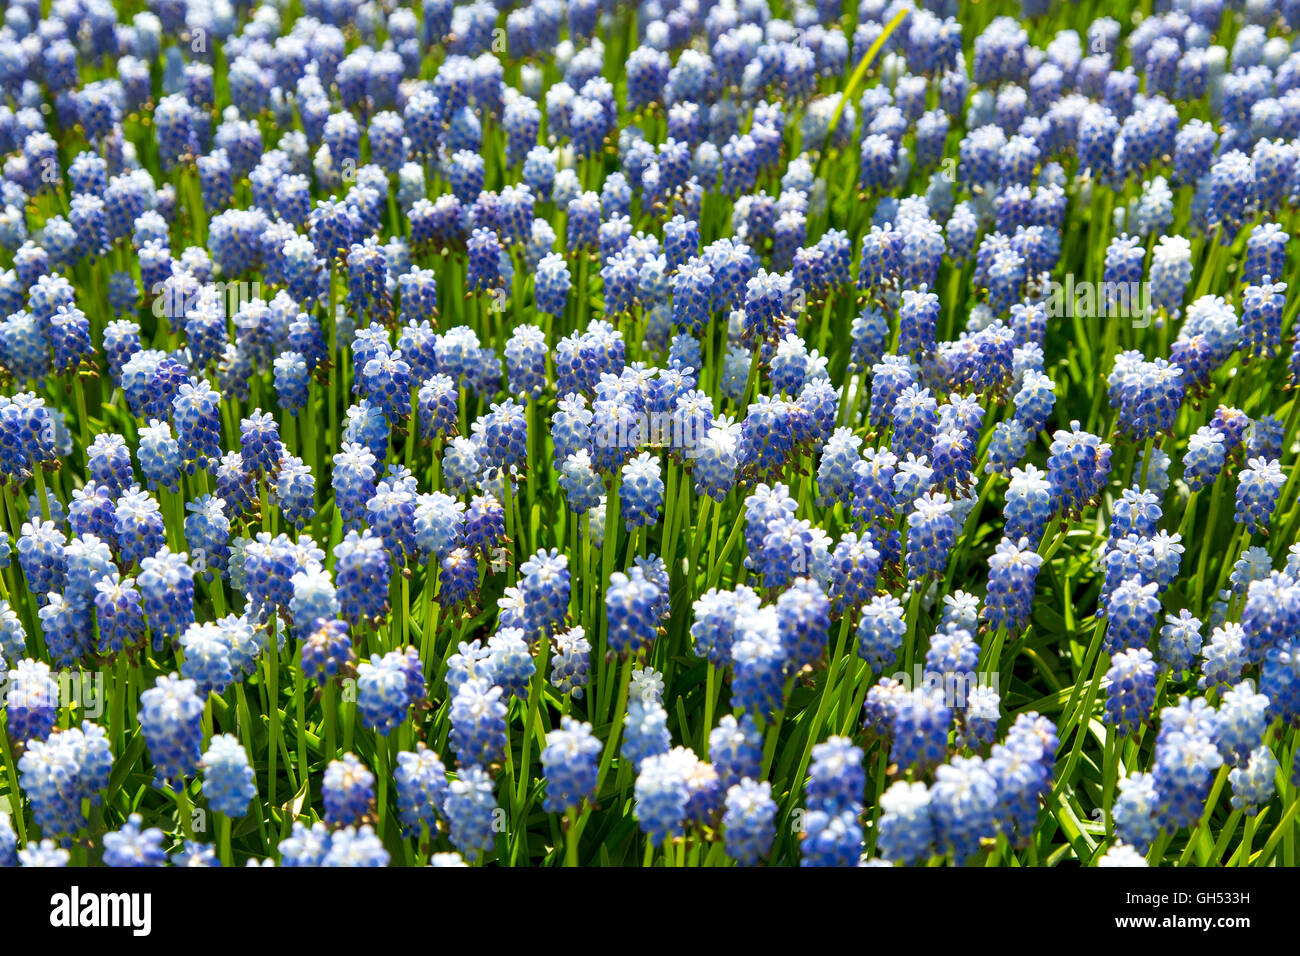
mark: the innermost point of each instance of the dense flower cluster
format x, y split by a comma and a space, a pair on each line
450, 432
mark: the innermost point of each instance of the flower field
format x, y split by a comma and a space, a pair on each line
663, 434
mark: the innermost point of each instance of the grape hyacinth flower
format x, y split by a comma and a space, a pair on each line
471, 810
421, 783
133, 846
629, 607
170, 713
1258, 487
60, 772
569, 765
930, 536
1131, 690
387, 687
228, 779
748, 823
478, 723
906, 830
1013, 571
347, 789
